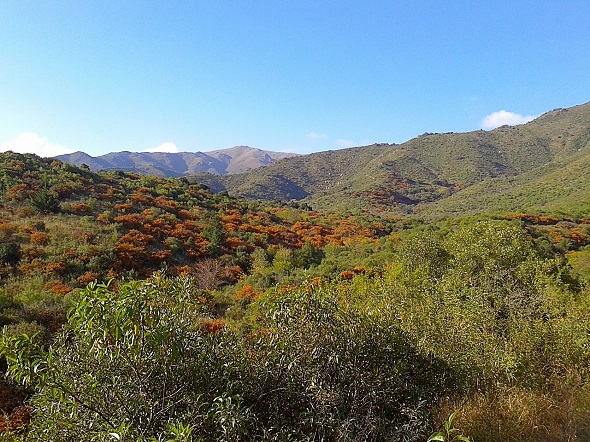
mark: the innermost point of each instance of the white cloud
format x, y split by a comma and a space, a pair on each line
345, 143
503, 117
166, 147
30, 142
316, 136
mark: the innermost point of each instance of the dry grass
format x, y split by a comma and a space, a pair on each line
519, 415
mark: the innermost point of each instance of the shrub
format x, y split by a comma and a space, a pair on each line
10, 253
145, 361
40, 238
45, 201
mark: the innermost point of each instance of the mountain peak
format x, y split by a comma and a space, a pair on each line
166, 164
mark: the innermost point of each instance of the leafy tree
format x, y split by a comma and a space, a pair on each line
10, 253
308, 255
45, 201
129, 365
138, 365
215, 234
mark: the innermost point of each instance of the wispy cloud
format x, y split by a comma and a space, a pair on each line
316, 136
503, 117
30, 142
166, 147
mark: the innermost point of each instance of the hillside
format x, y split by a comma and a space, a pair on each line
166, 286
233, 160
62, 226
421, 174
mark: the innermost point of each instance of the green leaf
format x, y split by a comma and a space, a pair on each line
437, 437
449, 422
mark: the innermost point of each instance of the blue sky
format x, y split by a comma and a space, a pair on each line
299, 76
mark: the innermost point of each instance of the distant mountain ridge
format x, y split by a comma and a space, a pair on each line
237, 159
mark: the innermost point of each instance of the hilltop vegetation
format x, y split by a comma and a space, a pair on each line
62, 227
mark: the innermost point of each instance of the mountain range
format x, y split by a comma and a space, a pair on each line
162, 164
541, 166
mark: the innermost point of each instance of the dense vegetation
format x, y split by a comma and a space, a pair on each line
141, 308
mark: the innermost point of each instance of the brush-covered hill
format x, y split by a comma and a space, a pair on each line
62, 226
479, 171
162, 164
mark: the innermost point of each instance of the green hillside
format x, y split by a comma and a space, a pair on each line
468, 169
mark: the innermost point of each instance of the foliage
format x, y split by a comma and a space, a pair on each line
304, 325
45, 201
448, 433
125, 363
10, 253
135, 363
488, 303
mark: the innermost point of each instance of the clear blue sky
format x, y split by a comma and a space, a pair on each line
300, 76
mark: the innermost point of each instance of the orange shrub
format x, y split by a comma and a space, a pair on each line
166, 204
81, 209
57, 287
7, 229
40, 238
247, 292
347, 275
141, 198
56, 268
130, 255
213, 326
182, 270
314, 282
31, 268
17, 421
18, 192
87, 277
160, 256
185, 214
130, 221
104, 218
232, 274
31, 253
126, 207
136, 237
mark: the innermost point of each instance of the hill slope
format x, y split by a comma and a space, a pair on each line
413, 176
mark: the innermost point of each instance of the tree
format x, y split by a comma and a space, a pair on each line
215, 234
209, 273
142, 363
45, 201
10, 253
308, 255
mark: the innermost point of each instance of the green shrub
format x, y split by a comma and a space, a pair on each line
10, 253
135, 364
45, 201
